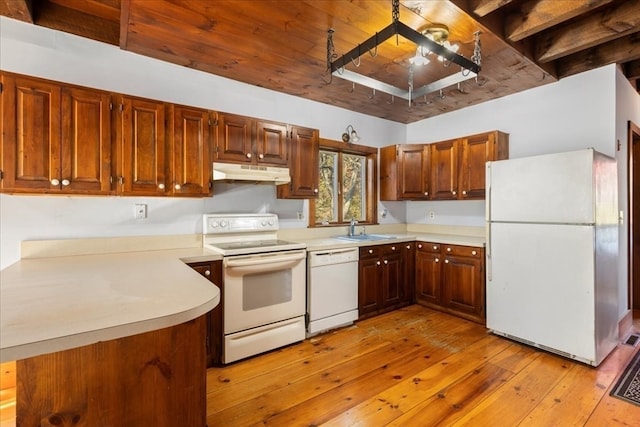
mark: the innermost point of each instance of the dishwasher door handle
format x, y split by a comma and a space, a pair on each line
335, 251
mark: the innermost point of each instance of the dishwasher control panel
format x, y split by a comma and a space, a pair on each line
332, 256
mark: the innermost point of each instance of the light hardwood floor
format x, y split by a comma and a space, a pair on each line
410, 367
416, 367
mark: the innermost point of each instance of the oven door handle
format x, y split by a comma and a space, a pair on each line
262, 261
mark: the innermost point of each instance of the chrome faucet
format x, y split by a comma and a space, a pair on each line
352, 227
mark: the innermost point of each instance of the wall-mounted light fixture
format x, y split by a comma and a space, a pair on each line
350, 135
431, 40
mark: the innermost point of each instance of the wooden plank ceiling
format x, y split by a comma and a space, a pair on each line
282, 44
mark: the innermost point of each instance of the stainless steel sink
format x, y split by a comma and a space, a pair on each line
363, 237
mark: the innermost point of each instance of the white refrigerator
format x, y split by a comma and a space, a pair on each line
552, 248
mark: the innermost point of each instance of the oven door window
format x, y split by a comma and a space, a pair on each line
266, 289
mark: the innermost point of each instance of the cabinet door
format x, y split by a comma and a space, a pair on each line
444, 170
86, 141
409, 262
233, 139
31, 135
463, 286
143, 147
413, 172
476, 151
369, 295
393, 277
190, 163
428, 275
304, 167
272, 144
213, 271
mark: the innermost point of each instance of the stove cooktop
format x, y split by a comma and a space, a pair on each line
254, 246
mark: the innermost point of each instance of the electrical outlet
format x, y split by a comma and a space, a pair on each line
432, 215
140, 211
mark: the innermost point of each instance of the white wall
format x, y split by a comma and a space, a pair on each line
576, 112
41, 52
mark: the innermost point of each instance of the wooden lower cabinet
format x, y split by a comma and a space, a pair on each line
451, 278
382, 279
212, 270
156, 378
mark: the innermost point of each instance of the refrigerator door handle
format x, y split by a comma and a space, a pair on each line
488, 219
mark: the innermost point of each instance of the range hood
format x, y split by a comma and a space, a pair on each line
252, 173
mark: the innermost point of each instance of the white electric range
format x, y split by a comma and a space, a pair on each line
264, 283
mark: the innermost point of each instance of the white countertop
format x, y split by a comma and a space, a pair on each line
58, 303
327, 243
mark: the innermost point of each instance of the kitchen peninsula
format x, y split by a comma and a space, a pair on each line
108, 339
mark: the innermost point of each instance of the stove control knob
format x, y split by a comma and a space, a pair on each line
214, 224
223, 223
270, 222
264, 223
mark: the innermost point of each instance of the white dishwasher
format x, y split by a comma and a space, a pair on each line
332, 289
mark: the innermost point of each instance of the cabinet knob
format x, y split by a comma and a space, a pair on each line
315, 190
377, 262
177, 187
370, 251
261, 156
435, 247
448, 249
66, 182
426, 193
55, 182
453, 192
207, 273
464, 192
161, 186
446, 261
437, 259
408, 246
386, 262
474, 253
393, 248
419, 246
249, 155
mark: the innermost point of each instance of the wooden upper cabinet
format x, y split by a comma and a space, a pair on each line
55, 138
444, 170
272, 144
476, 150
189, 166
303, 164
240, 139
86, 140
404, 172
234, 139
142, 149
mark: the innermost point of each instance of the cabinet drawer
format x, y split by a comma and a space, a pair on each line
468, 251
370, 251
392, 248
428, 247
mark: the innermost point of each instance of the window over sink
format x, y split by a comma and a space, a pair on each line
347, 185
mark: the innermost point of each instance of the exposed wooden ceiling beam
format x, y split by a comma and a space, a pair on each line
600, 27
17, 9
106, 9
616, 51
485, 7
75, 22
632, 69
537, 15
